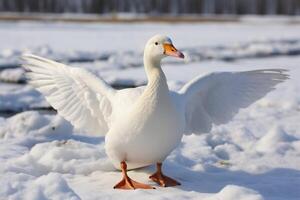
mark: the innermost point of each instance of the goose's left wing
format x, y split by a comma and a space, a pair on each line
77, 95
217, 97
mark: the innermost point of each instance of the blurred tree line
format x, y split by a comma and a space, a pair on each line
155, 7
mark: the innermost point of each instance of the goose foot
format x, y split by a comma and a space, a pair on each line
127, 183
161, 179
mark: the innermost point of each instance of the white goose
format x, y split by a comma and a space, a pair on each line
143, 125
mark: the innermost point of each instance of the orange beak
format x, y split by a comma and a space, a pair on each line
170, 50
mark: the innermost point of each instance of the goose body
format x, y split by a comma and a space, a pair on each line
152, 128
143, 125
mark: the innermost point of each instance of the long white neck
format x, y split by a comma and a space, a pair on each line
155, 75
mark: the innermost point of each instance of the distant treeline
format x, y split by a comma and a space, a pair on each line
154, 7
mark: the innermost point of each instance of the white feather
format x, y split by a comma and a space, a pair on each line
215, 98
72, 92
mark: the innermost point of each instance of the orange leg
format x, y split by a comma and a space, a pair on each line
161, 179
127, 183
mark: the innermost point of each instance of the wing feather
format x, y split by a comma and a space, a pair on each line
75, 93
217, 97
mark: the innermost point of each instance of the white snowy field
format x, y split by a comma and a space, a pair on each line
254, 157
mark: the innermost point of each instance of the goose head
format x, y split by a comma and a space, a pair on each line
159, 47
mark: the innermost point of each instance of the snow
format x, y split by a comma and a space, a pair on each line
256, 156
50, 186
16, 98
12, 75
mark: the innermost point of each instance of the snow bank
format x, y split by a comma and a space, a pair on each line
35, 125
36, 149
236, 192
20, 97
67, 156
253, 49
12, 75
129, 59
232, 162
50, 186
276, 140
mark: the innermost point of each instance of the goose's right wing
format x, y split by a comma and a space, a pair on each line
217, 97
77, 95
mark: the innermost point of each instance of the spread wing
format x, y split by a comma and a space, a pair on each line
217, 97
77, 95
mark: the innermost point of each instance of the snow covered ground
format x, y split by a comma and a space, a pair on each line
254, 157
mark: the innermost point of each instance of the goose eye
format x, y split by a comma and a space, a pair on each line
156, 43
